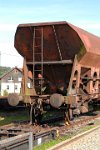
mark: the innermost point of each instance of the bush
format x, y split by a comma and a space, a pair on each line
5, 93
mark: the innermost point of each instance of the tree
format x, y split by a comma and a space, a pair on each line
4, 70
5, 93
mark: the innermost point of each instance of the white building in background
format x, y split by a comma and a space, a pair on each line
11, 81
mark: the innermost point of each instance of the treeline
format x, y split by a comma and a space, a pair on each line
4, 70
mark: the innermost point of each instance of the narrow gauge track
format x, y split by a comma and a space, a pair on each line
71, 143
41, 131
85, 120
24, 126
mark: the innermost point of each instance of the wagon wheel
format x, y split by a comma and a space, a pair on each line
35, 114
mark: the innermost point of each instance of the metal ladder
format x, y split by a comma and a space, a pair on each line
38, 54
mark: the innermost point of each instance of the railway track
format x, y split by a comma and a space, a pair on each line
44, 131
71, 144
78, 123
19, 128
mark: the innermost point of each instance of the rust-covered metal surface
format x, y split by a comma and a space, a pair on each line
24, 40
92, 47
63, 36
58, 42
64, 60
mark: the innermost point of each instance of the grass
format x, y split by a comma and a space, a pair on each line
7, 117
52, 114
10, 116
51, 143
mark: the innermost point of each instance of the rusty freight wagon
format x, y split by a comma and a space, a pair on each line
64, 63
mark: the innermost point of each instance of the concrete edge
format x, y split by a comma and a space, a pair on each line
68, 141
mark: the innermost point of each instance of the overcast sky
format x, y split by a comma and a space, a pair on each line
82, 13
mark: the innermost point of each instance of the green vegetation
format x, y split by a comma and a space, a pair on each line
5, 93
52, 114
4, 70
51, 143
8, 117
87, 127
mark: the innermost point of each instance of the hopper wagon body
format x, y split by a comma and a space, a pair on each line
64, 63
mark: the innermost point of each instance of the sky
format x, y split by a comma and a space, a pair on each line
82, 13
